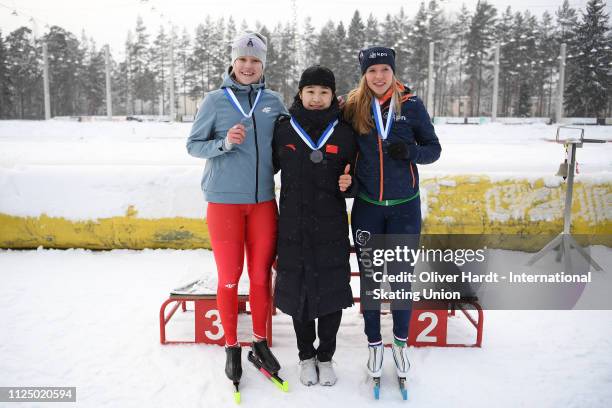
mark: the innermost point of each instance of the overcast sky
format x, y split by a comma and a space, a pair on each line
108, 21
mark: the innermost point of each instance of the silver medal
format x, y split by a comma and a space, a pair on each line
316, 156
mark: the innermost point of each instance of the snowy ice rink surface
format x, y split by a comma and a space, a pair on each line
90, 320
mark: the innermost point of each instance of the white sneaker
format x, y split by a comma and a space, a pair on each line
308, 372
400, 355
375, 360
327, 375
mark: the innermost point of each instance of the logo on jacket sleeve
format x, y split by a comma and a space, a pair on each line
267, 109
362, 237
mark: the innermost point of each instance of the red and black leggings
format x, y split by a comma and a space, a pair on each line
232, 229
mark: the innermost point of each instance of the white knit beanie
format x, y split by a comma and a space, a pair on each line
250, 44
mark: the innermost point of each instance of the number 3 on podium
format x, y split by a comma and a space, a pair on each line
213, 314
208, 328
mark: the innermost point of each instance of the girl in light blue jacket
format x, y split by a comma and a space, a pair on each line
233, 131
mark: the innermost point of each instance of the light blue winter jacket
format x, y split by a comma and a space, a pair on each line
244, 174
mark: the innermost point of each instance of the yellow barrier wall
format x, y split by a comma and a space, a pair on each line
455, 205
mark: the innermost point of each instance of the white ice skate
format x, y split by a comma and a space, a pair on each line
402, 364
375, 360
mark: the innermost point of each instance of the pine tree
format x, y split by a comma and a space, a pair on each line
461, 30
372, 32
94, 80
230, 35
328, 47
244, 26
127, 75
437, 24
173, 70
6, 94
142, 79
389, 34
419, 56
272, 69
507, 59
159, 67
400, 24
81, 69
309, 45
545, 55
439, 33
567, 20
203, 59
589, 84
184, 62
119, 79
525, 25
354, 43
479, 41
25, 71
225, 48
286, 61
218, 50
342, 63
115, 81
63, 50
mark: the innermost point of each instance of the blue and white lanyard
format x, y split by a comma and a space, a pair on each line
232, 98
383, 131
308, 140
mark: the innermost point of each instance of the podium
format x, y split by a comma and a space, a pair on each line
206, 317
429, 323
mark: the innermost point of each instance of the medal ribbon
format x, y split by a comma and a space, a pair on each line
232, 98
383, 131
308, 140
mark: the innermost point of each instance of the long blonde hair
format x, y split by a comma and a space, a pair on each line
357, 110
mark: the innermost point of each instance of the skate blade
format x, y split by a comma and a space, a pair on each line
376, 387
236, 392
280, 383
403, 389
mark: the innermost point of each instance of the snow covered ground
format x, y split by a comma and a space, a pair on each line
94, 170
90, 320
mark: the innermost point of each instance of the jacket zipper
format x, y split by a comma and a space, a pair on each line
382, 171
256, 148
